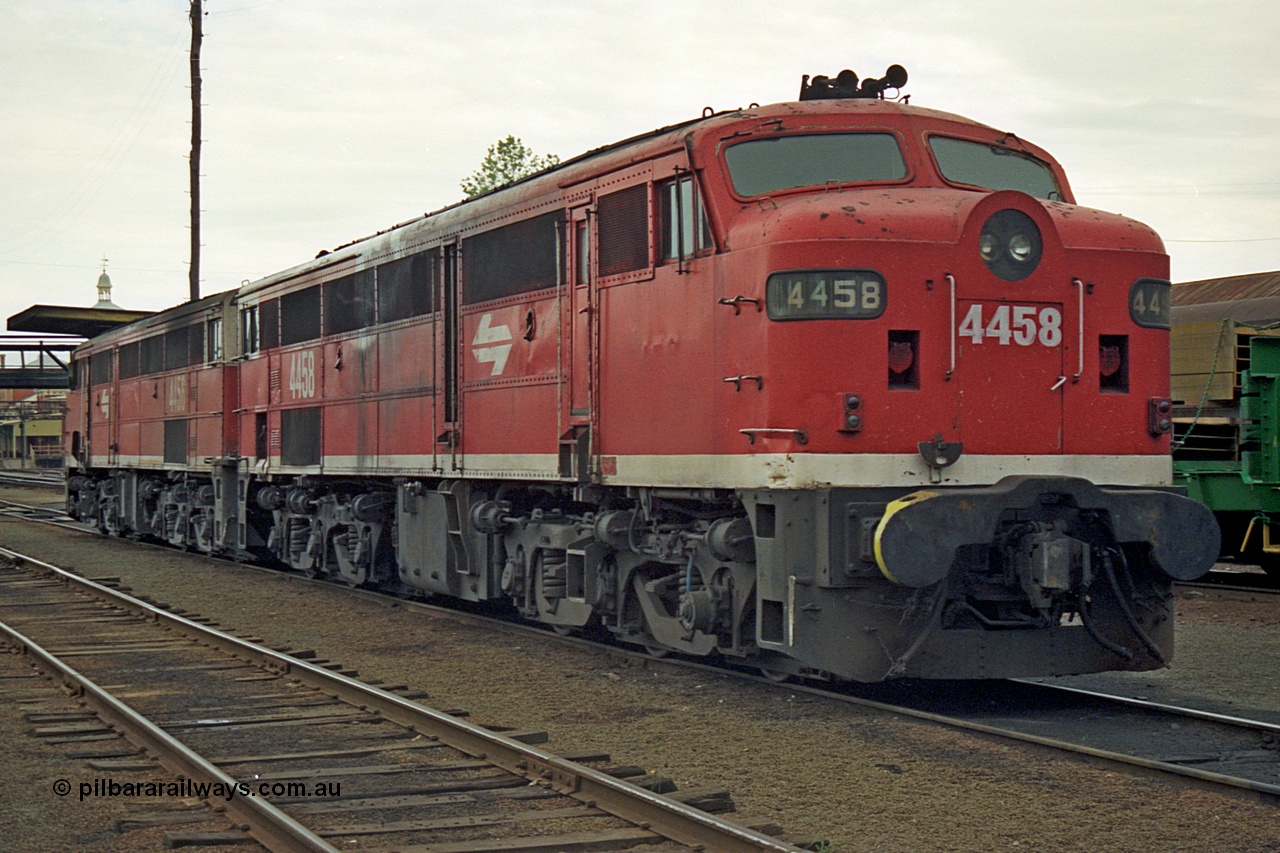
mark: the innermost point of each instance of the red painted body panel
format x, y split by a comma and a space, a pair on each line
229, 418
350, 432
656, 364
405, 427
406, 357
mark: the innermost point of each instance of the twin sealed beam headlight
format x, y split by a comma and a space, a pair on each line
1010, 245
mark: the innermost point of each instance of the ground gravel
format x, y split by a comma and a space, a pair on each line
863, 780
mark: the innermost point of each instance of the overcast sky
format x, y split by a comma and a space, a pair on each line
328, 120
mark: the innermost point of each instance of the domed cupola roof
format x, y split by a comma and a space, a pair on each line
104, 289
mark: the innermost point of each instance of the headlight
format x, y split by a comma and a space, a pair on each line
1020, 248
1010, 245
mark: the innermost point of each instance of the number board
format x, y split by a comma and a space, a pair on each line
825, 295
1023, 325
1149, 303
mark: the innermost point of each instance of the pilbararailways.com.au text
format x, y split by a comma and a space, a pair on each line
187, 788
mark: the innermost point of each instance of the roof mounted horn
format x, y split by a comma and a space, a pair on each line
845, 85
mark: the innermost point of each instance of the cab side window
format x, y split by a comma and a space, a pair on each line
685, 229
249, 341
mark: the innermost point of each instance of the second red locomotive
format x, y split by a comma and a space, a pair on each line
839, 387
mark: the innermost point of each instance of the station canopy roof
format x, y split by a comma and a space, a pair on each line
1245, 300
69, 320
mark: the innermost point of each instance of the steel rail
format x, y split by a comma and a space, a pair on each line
1264, 788
61, 518
267, 824
1261, 584
34, 479
1121, 758
1147, 704
653, 812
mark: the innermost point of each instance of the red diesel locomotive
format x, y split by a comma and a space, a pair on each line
839, 387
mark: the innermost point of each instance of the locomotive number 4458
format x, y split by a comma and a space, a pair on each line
1023, 325
302, 374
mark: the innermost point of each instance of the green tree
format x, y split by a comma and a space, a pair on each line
507, 161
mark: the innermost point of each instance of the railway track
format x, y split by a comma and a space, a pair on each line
298, 754
1236, 579
50, 513
1218, 750
38, 479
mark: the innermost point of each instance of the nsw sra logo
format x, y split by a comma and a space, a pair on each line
488, 345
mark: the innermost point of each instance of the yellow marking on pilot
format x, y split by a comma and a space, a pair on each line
892, 509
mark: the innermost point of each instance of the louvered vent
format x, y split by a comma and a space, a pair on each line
624, 230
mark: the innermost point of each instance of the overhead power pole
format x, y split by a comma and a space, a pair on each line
197, 36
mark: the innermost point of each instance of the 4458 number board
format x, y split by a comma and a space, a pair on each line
825, 295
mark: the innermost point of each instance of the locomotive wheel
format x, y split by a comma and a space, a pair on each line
774, 675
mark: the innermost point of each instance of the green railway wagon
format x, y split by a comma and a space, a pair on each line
1225, 387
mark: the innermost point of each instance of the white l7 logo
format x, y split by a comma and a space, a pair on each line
488, 346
